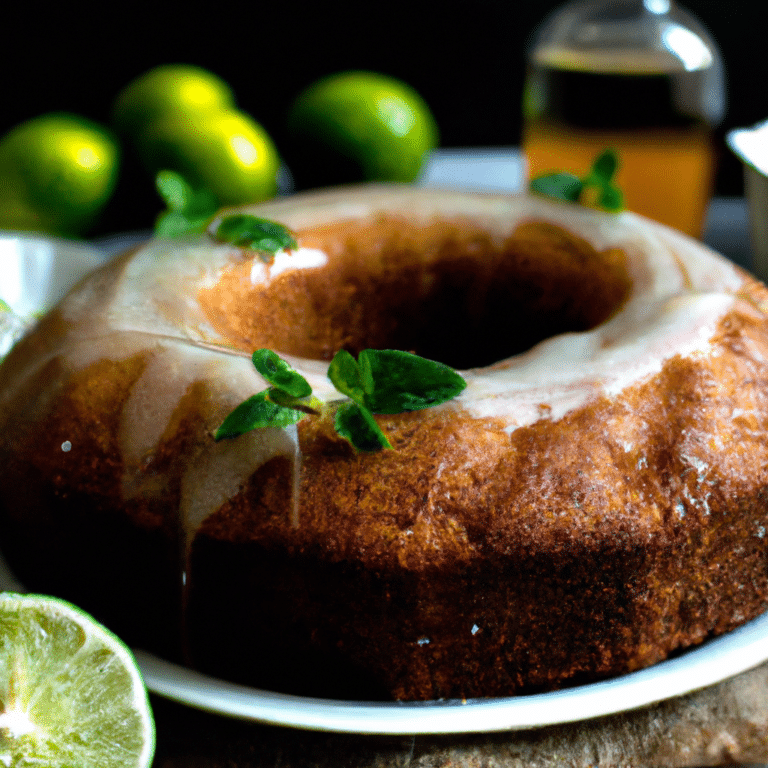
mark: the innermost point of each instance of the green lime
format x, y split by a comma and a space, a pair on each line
225, 152
70, 691
170, 89
360, 126
57, 172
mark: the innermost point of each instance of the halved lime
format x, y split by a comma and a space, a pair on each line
70, 691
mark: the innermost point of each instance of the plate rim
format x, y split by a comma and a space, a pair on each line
714, 661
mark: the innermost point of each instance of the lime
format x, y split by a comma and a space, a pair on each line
70, 692
225, 152
360, 126
170, 89
57, 172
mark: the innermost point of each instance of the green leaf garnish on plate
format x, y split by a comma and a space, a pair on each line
188, 210
599, 181
379, 381
261, 235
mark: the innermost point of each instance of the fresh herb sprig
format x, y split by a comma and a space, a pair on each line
188, 210
600, 180
378, 382
261, 235
284, 403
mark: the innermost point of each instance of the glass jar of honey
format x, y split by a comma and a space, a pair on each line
641, 77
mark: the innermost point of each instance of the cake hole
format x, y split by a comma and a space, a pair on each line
446, 289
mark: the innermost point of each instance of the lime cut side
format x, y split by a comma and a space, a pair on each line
70, 691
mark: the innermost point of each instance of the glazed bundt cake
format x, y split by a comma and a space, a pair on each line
594, 500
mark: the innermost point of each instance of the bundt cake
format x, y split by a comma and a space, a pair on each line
594, 500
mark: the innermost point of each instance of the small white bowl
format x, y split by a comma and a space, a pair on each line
36, 272
750, 145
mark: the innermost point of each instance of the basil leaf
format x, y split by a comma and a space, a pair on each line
356, 423
398, 381
247, 231
280, 374
256, 412
561, 186
344, 373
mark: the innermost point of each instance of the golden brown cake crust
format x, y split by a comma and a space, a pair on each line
610, 558
525, 536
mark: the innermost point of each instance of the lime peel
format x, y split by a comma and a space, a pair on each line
360, 125
58, 171
70, 691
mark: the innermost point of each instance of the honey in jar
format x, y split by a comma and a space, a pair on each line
655, 103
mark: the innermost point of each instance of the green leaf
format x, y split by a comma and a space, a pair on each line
561, 186
611, 199
4, 307
188, 210
310, 405
396, 381
344, 373
175, 224
566, 186
604, 167
262, 235
280, 374
174, 189
380, 381
356, 423
257, 412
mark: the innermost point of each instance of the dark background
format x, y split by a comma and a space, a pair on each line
466, 60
